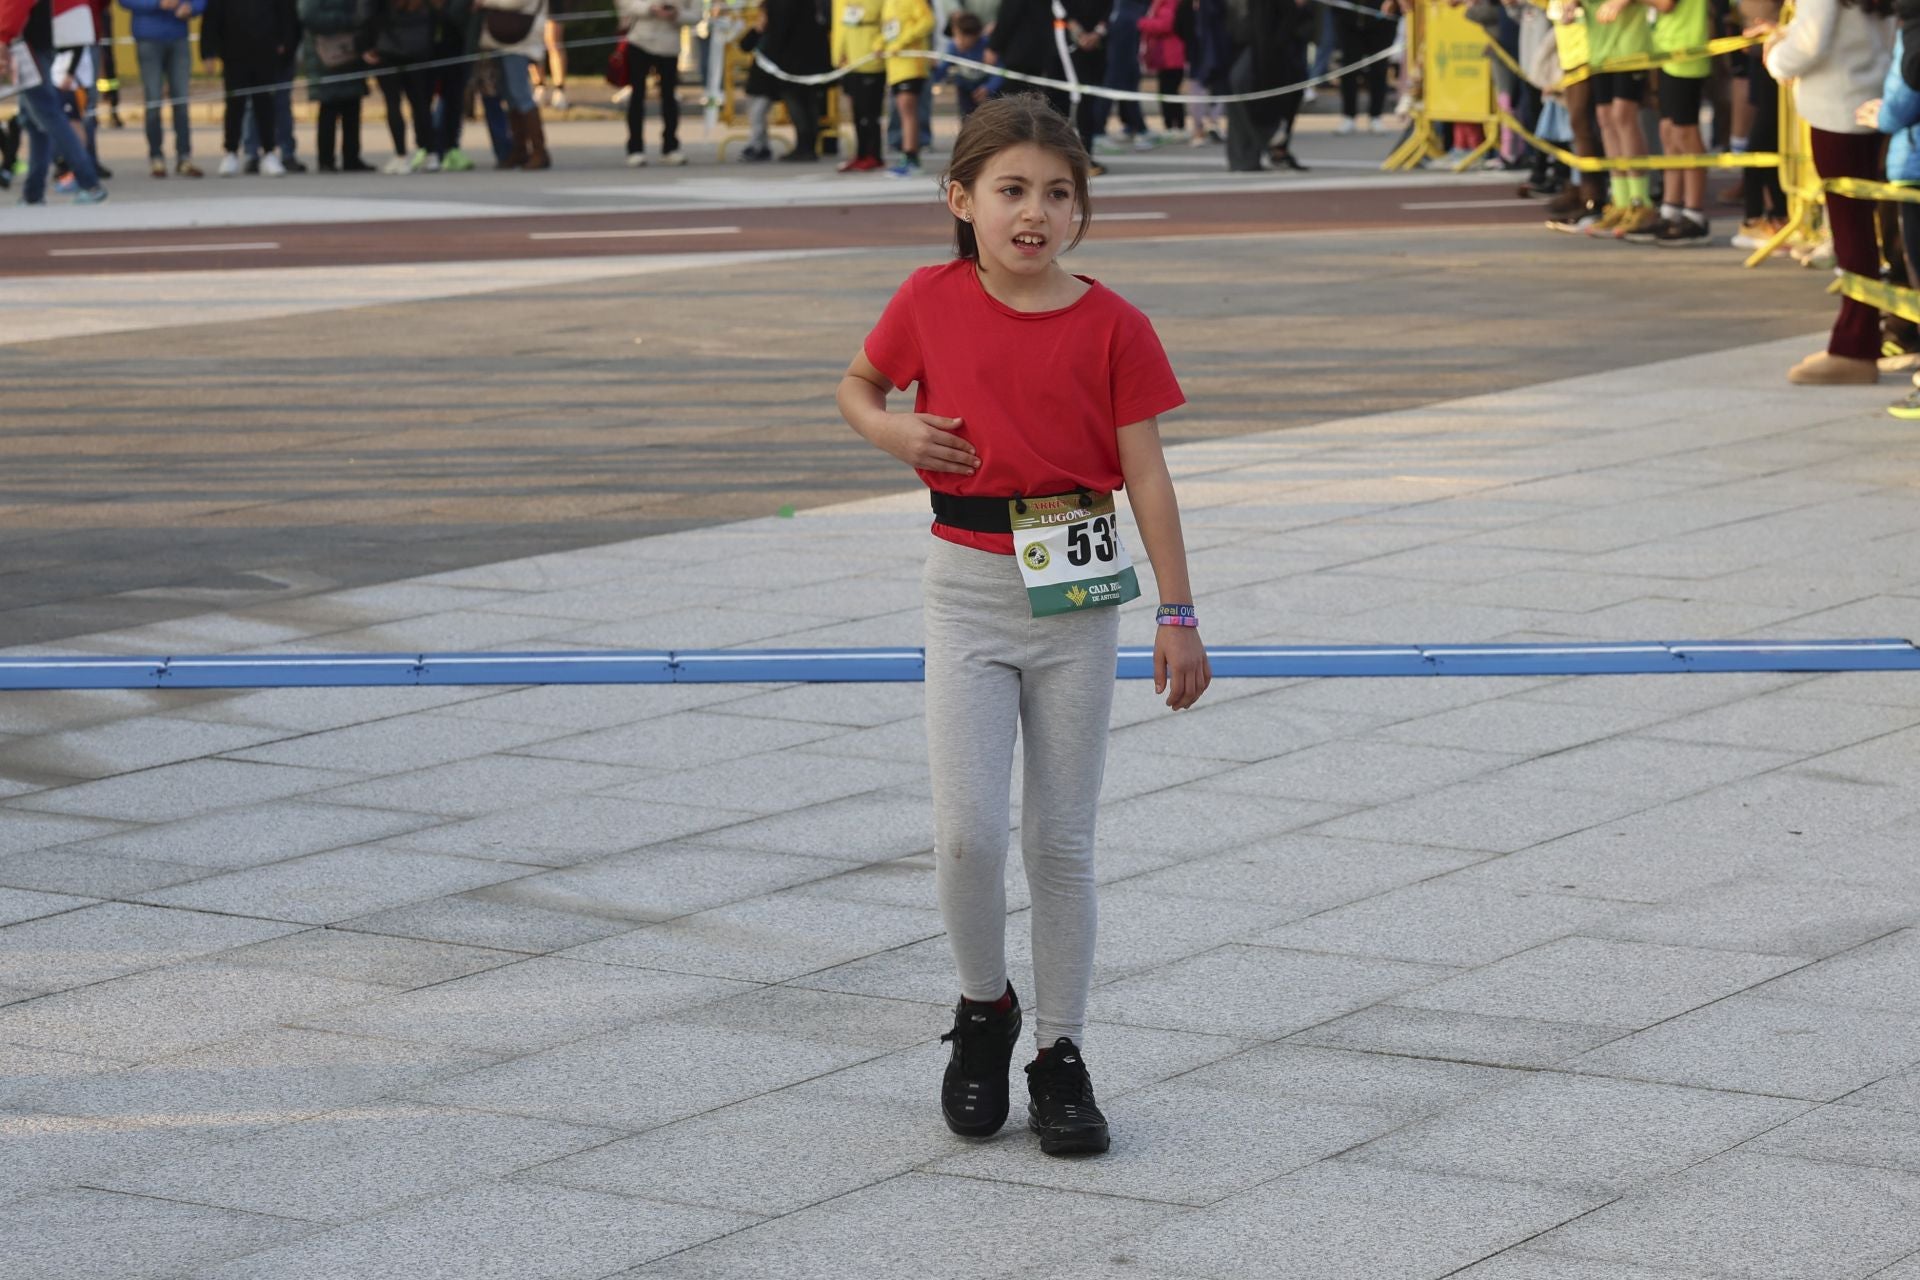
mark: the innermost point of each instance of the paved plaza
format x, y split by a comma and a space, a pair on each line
1398, 979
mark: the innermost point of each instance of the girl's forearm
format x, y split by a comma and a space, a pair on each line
862, 404
1157, 513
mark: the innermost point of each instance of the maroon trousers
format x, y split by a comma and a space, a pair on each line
1856, 243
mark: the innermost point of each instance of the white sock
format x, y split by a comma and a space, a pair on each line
1670, 212
1695, 215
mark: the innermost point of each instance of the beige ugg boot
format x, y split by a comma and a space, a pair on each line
1824, 369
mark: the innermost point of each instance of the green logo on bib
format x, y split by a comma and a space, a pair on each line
1036, 557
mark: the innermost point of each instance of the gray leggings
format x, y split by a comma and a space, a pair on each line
992, 667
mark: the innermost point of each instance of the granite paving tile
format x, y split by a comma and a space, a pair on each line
22, 831
917, 1224
685, 740
766, 939
824, 1017
1342, 1220
861, 828
530, 1005
772, 782
857, 706
1653, 769
1645, 864
254, 835
112, 939
577, 707
1459, 1037
69, 870
1780, 1047
1622, 984
1846, 1135
168, 1011
1261, 992
1401, 1088
367, 957
1244, 729
480, 919
323, 888
1493, 816
643, 1076
174, 791
315, 710
17, 905
1356, 774
53, 1152
1800, 803
123, 746
492, 1231
1758, 1217
82, 1234
256, 1081
559, 833
1171, 820
665, 881
1518, 726
1439, 922
1807, 918
1305, 873
384, 747
481, 785
1527, 1263
1588, 1136
1785, 722
345, 1165
1882, 974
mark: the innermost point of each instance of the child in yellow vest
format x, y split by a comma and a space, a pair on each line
856, 44
1618, 29
905, 25
1682, 25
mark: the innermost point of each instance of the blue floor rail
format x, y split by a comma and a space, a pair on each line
854, 666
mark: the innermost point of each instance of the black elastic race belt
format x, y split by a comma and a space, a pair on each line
981, 515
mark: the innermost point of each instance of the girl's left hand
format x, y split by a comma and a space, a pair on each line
1180, 666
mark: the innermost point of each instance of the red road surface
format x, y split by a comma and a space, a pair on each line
760, 228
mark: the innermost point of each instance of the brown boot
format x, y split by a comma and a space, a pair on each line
1823, 369
1571, 200
517, 153
537, 157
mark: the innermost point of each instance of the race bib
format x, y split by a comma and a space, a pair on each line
26, 72
1071, 554
852, 16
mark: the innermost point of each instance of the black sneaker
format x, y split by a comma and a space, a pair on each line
1060, 1105
973, 1095
1684, 233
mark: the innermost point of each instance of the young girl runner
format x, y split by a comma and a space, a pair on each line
1039, 394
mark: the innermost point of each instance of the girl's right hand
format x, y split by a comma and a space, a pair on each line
926, 442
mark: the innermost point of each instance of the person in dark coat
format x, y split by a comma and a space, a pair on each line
330, 60
1272, 54
1023, 40
251, 40
399, 35
796, 41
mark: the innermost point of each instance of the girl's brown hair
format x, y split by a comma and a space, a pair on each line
1009, 122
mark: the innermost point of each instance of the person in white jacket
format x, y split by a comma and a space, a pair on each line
512, 30
1836, 52
653, 49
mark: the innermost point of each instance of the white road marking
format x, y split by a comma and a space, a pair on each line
642, 233
1419, 205
238, 246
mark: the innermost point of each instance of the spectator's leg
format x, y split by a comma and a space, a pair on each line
153, 56
667, 68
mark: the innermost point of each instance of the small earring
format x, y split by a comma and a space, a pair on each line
966, 217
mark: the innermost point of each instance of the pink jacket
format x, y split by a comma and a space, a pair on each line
1160, 48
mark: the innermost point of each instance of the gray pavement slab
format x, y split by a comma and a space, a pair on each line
113, 939
324, 888
1458, 1037
1439, 922
60, 1235
1759, 1216
1881, 974
530, 1005
664, 881
482, 919
253, 836
481, 785
171, 792
1619, 984
1757, 1045
492, 1230
562, 831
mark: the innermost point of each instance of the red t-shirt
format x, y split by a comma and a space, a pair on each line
1041, 394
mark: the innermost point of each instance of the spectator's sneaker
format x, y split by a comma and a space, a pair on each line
1755, 232
65, 184
1686, 233
431, 164
397, 166
755, 155
1143, 142
1610, 215
357, 165
293, 164
417, 162
1376, 124
251, 167
457, 161
1577, 220
1638, 230
93, 195
271, 166
1907, 410
559, 99
674, 158
861, 164
186, 168
907, 168
230, 165
636, 159
621, 95
1639, 224
157, 167
1346, 126
1060, 1105
973, 1094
